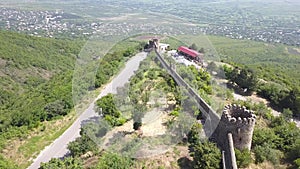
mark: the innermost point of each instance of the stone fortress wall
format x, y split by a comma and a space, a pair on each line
238, 121
235, 130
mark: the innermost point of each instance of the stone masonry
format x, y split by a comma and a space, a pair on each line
240, 123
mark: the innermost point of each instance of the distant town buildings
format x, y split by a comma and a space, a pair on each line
58, 23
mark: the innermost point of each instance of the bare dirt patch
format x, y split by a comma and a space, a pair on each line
119, 18
2, 62
265, 165
2, 65
177, 157
293, 51
153, 125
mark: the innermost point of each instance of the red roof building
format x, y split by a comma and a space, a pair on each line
188, 51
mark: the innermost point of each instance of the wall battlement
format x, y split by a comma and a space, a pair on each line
233, 130
238, 116
238, 121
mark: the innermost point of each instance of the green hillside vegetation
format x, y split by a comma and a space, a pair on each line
275, 139
34, 72
273, 62
275, 68
149, 81
36, 85
36, 77
36, 80
255, 75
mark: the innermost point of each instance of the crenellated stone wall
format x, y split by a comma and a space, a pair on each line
238, 121
235, 130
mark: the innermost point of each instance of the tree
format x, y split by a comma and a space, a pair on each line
194, 47
128, 52
67, 163
294, 153
194, 134
81, 146
288, 134
292, 101
137, 119
243, 158
56, 108
115, 161
212, 67
245, 78
265, 152
106, 107
138, 114
265, 135
206, 155
86, 142
201, 50
287, 114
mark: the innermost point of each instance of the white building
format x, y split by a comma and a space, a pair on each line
163, 47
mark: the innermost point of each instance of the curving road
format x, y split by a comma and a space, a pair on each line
59, 147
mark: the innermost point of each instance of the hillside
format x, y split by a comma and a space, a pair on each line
30, 69
33, 73
276, 65
274, 62
36, 87
27, 61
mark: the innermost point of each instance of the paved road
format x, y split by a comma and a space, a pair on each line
59, 147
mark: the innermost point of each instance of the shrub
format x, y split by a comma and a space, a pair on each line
115, 161
206, 156
243, 158
67, 163
264, 152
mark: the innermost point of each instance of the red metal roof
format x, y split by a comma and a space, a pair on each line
188, 51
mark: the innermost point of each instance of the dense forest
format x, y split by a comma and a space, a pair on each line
35, 80
31, 70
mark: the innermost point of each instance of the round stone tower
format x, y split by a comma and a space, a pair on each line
238, 121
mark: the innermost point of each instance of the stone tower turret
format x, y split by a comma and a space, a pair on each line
240, 123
